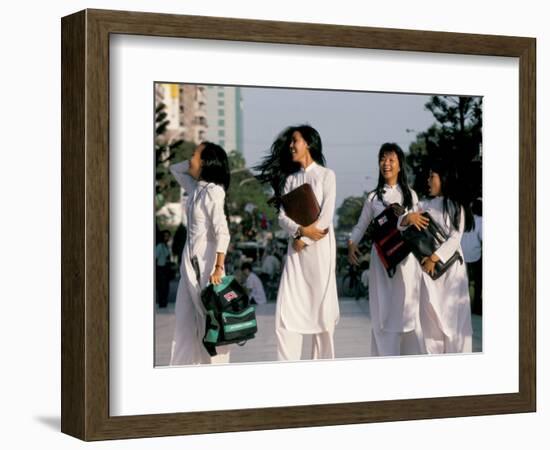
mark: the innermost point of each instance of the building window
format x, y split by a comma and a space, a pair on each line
221, 122
221, 133
221, 94
222, 143
221, 112
221, 103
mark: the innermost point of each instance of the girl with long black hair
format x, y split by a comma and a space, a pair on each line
445, 314
205, 178
307, 300
393, 301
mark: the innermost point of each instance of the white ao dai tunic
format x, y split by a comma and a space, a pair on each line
307, 301
445, 303
207, 234
393, 301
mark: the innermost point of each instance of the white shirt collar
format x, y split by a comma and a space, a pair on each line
387, 187
310, 167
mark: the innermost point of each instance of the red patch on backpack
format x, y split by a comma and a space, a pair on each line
230, 296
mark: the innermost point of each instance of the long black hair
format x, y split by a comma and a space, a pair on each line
454, 195
402, 181
278, 165
215, 167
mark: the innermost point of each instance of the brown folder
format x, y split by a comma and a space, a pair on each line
301, 205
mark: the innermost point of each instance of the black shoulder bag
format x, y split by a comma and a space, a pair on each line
423, 243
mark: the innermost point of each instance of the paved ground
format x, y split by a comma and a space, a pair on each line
352, 336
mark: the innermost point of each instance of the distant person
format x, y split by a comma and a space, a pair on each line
178, 242
163, 270
471, 246
353, 276
307, 300
205, 178
393, 301
232, 259
271, 265
254, 285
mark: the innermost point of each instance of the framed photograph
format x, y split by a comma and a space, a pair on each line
143, 92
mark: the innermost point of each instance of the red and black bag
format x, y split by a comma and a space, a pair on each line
387, 240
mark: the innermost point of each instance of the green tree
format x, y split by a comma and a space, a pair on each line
459, 122
349, 212
244, 189
455, 136
166, 150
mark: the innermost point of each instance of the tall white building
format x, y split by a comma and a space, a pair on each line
224, 115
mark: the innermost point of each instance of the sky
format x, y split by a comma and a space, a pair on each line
352, 125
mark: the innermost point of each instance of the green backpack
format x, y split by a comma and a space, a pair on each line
230, 318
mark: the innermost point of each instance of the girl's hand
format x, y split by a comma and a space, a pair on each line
353, 253
312, 232
417, 219
428, 264
216, 277
298, 245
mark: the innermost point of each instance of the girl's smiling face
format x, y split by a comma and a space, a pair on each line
389, 167
298, 147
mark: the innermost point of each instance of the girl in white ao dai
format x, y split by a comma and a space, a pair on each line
393, 301
205, 178
445, 303
307, 300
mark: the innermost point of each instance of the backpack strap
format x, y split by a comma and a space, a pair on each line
212, 333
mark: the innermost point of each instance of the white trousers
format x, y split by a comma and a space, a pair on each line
438, 342
187, 346
387, 343
289, 344
222, 356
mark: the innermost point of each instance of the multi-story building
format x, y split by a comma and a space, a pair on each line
225, 117
185, 108
171, 98
193, 112
197, 113
159, 93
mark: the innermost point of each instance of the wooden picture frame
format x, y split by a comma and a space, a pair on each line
85, 224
